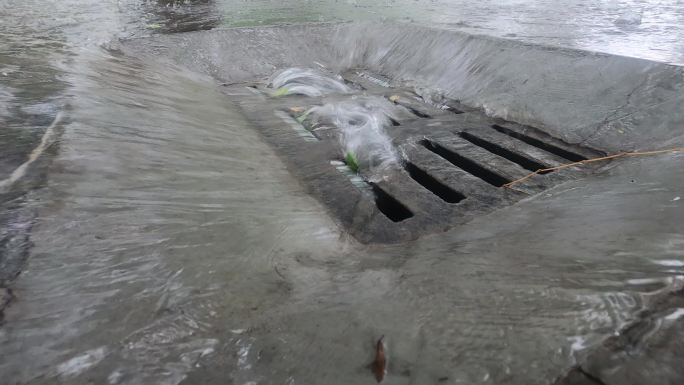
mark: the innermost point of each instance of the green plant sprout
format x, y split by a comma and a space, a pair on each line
352, 163
282, 91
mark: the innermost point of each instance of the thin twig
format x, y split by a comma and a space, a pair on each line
615, 156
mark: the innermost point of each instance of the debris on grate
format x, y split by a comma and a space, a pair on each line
454, 163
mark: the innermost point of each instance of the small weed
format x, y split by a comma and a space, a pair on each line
352, 163
282, 91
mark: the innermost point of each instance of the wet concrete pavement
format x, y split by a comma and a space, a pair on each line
171, 245
568, 240
646, 351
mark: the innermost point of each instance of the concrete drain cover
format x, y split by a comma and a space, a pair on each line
455, 160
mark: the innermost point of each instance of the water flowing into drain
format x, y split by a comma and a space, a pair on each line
362, 123
410, 153
308, 82
497, 149
465, 164
563, 153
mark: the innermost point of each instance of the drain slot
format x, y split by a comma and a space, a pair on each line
411, 109
353, 177
415, 112
392, 208
569, 155
296, 126
354, 84
453, 110
494, 148
465, 164
436, 187
373, 79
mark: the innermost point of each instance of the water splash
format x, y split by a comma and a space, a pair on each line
308, 82
362, 122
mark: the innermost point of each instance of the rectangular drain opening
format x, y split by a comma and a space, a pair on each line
354, 84
571, 156
411, 109
414, 111
494, 148
378, 80
392, 208
436, 187
465, 164
353, 177
453, 110
298, 127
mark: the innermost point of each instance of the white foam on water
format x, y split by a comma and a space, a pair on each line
82, 362
114, 377
579, 343
309, 82
644, 281
675, 314
669, 262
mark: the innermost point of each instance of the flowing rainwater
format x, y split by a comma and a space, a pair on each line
168, 244
363, 123
309, 82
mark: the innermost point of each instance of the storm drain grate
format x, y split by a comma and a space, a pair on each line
569, 155
441, 190
456, 160
466, 164
388, 205
494, 148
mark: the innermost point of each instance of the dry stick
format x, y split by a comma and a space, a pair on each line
619, 155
